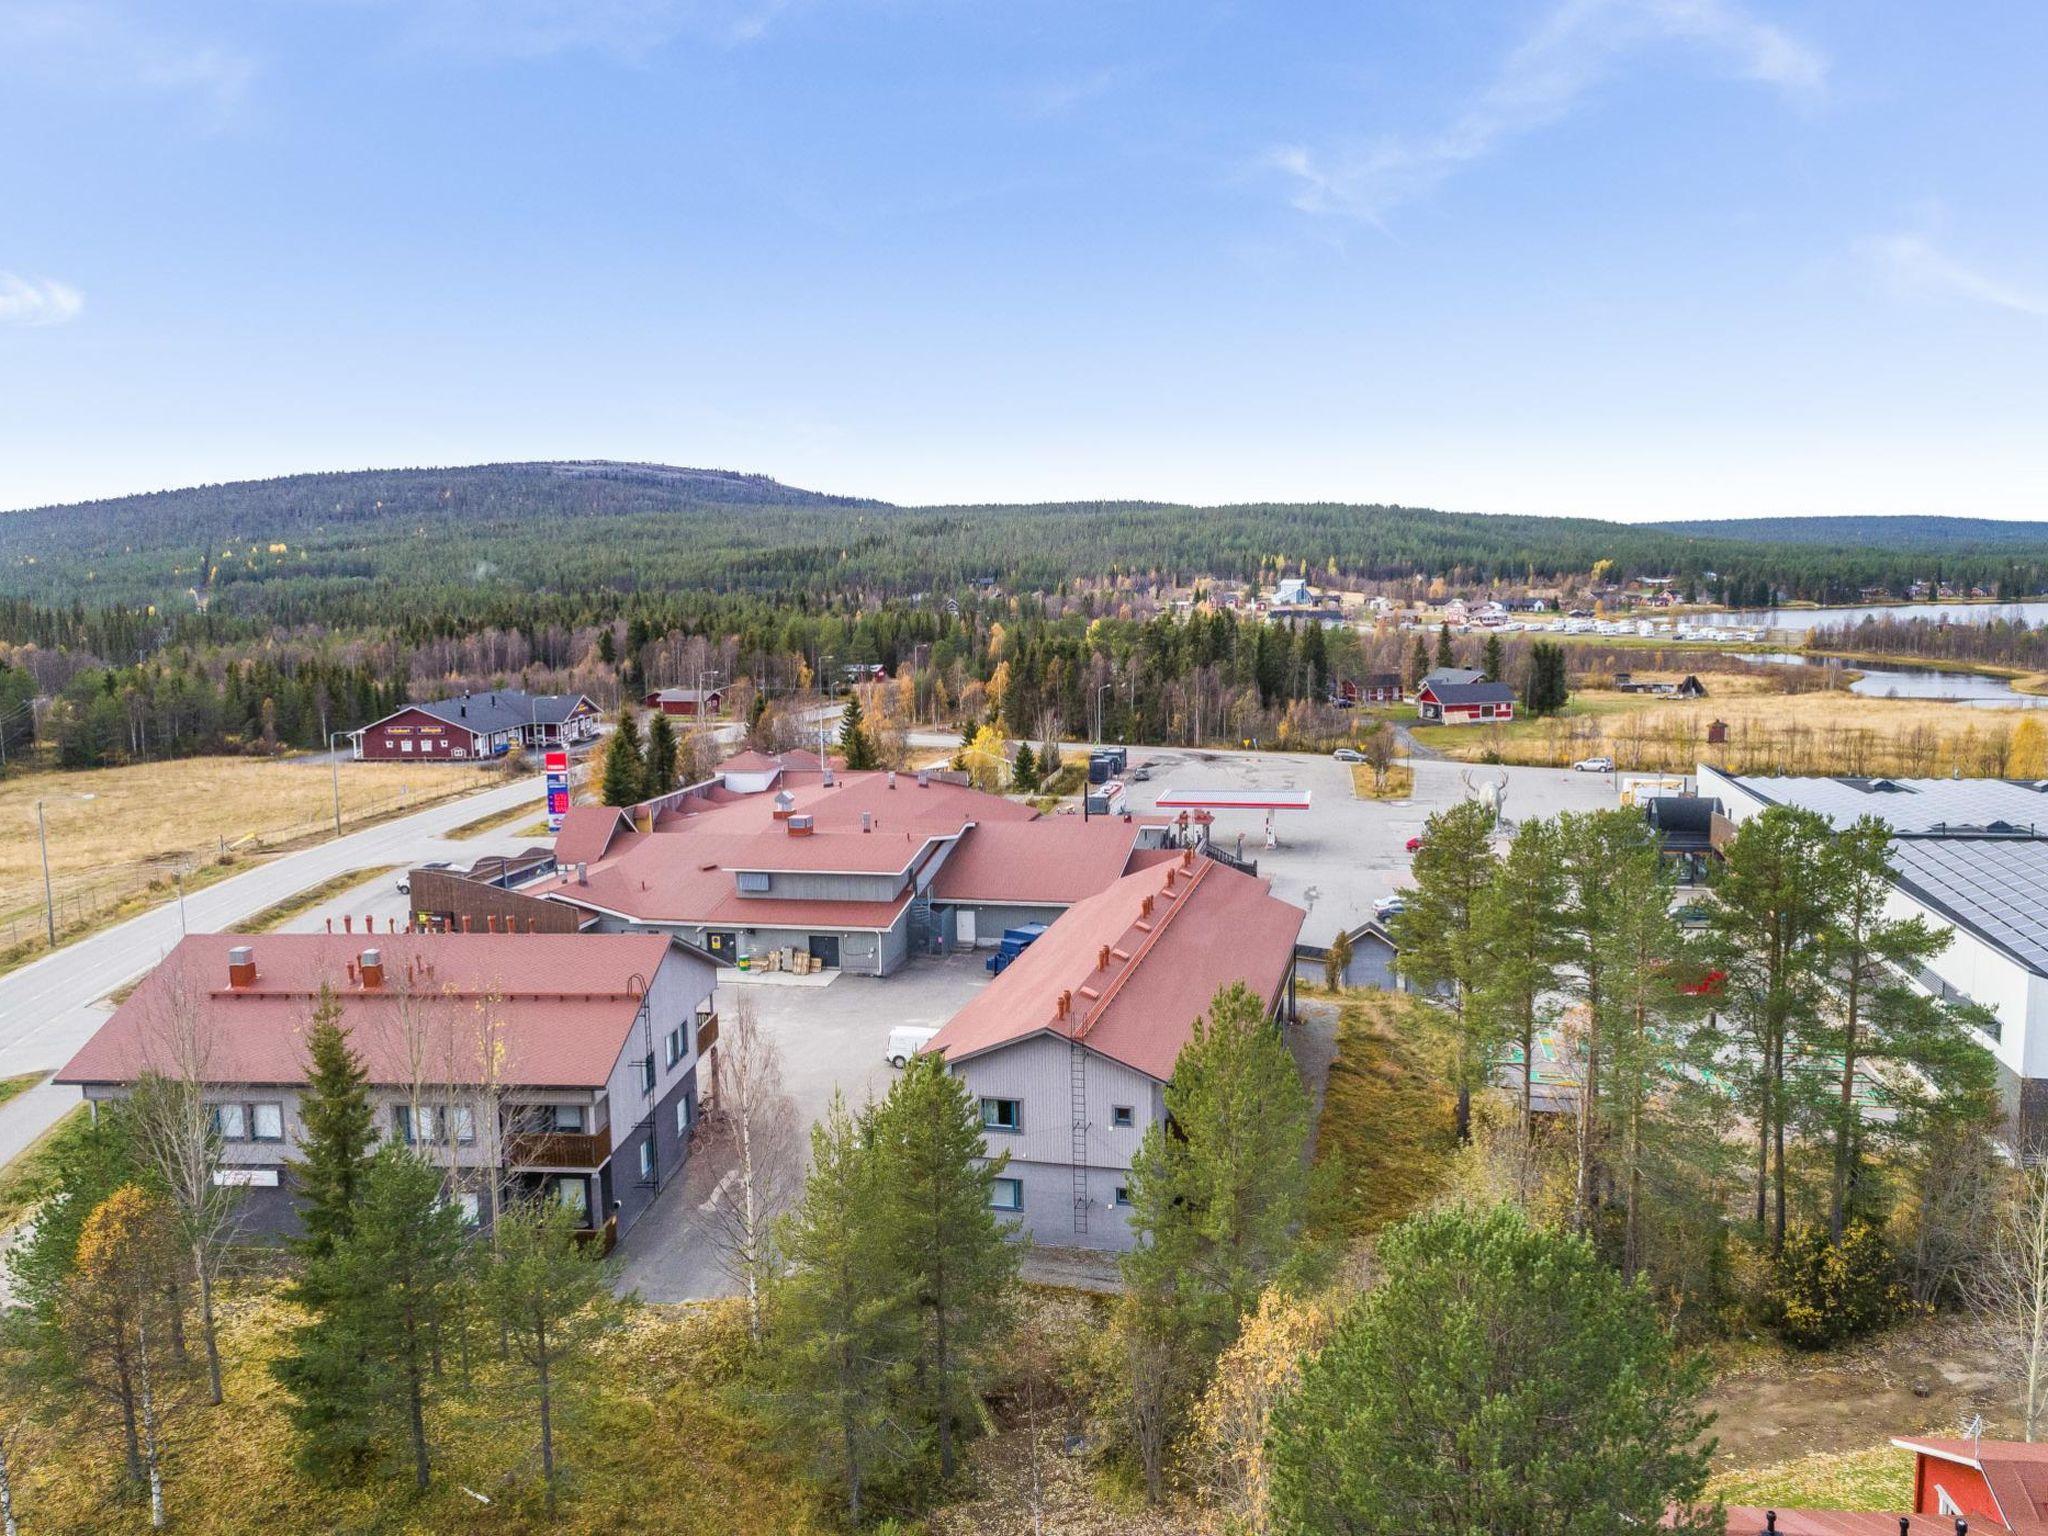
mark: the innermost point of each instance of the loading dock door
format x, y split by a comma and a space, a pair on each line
966, 929
825, 950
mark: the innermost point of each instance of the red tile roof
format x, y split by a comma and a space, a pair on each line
682, 871
1052, 862
1174, 936
565, 1003
1746, 1521
587, 831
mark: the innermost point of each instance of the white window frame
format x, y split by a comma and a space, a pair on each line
257, 1114
647, 1158
683, 1115
222, 1114
673, 1043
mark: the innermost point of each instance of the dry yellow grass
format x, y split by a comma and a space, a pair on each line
1399, 785
144, 821
1824, 732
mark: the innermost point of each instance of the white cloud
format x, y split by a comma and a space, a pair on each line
86, 45
1914, 264
37, 300
1577, 44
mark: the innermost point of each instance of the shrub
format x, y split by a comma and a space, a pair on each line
1823, 1292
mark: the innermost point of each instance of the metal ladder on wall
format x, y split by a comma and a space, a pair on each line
1077, 1068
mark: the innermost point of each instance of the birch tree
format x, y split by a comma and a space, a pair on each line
177, 1139
2009, 1287
756, 1130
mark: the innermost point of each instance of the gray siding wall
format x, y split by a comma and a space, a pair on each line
807, 885
1038, 1073
990, 919
1372, 965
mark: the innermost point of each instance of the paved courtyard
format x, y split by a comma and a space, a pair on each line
831, 1037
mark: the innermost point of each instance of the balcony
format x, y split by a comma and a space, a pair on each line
558, 1149
707, 1032
605, 1237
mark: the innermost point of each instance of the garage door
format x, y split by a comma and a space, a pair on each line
825, 950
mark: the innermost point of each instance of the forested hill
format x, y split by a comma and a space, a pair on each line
449, 545
1952, 534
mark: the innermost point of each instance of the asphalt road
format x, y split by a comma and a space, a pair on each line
51, 1006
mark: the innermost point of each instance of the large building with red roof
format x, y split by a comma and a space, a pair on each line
599, 1047
1069, 1050
858, 870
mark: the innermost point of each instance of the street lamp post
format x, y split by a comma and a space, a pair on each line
49, 897
1100, 690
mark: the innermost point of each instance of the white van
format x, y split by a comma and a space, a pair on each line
906, 1040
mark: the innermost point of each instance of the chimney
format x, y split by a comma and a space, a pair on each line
867, 822
924, 778
890, 778
330, 925
799, 826
466, 923
241, 966
582, 873
348, 924
1102, 958
491, 922
373, 969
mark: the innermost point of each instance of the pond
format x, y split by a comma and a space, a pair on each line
1918, 682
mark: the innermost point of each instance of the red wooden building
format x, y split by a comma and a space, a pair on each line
686, 701
477, 725
1441, 703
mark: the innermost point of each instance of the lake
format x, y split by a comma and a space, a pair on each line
1800, 620
1919, 683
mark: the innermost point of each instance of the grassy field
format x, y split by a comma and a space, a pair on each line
116, 832
659, 1447
1814, 732
1399, 785
33, 1174
1386, 1129
1880, 1478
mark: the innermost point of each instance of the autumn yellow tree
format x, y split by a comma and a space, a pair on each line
2026, 751
121, 1315
986, 759
1227, 1432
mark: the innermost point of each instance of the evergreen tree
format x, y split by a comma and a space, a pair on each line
1769, 916
1496, 663
1418, 663
383, 1295
841, 1319
1445, 657
1500, 1377
1436, 940
1024, 770
338, 1132
1521, 947
551, 1297
625, 774
658, 773
1546, 690
855, 745
945, 1242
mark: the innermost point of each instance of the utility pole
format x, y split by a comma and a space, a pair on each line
334, 765
49, 899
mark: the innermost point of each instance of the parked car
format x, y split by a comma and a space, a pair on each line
1348, 755
1389, 906
1594, 765
906, 1040
1414, 844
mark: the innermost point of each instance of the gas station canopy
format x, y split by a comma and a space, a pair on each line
1232, 800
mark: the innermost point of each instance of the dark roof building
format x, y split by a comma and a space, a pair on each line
477, 725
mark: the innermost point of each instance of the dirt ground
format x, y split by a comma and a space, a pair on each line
1918, 1379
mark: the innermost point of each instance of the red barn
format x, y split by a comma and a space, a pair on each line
1442, 703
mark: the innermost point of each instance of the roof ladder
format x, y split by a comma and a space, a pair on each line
1077, 1068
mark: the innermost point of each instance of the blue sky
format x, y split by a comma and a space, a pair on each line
1629, 258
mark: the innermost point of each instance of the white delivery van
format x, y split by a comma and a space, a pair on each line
906, 1040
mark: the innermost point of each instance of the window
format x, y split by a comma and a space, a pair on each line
266, 1122
675, 1045
468, 1205
752, 880
405, 745
574, 1194
647, 1158
1002, 1115
647, 1075
465, 1123
1121, 1117
683, 1115
1123, 1194
1006, 1194
568, 1117
231, 1122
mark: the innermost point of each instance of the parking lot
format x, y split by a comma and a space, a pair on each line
1342, 854
830, 1037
